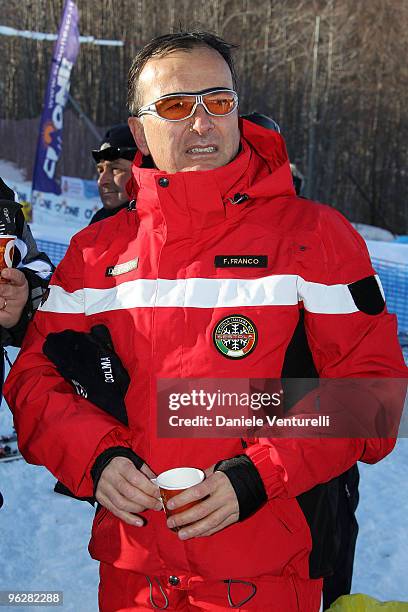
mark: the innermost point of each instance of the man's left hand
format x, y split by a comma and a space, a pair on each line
218, 509
14, 295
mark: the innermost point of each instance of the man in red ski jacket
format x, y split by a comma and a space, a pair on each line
161, 276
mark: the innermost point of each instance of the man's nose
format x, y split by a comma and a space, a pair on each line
105, 176
201, 121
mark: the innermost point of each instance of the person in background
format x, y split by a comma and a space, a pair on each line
113, 162
26, 282
298, 179
271, 124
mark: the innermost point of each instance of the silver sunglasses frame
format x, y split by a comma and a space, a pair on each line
150, 109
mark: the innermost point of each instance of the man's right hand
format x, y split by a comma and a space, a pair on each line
125, 491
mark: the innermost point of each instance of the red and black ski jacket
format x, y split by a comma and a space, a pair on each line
151, 274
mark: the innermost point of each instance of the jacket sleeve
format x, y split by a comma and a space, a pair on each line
351, 335
37, 268
55, 427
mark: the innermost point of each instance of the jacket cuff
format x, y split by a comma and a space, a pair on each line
117, 436
273, 475
106, 457
246, 482
60, 488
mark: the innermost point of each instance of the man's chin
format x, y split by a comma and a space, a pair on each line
211, 162
203, 165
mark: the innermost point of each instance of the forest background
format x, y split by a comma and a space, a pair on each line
332, 73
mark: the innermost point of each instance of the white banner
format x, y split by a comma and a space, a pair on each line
75, 206
72, 209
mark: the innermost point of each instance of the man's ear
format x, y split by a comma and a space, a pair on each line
137, 129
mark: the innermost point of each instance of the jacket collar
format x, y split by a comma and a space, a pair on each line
261, 169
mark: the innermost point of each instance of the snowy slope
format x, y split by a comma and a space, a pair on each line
44, 536
44, 539
381, 566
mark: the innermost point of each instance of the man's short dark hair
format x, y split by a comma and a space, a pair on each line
163, 45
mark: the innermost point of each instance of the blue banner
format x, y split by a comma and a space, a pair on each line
50, 137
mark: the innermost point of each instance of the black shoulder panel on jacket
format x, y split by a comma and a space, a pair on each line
367, 295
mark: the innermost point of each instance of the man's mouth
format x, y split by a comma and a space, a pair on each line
202, 150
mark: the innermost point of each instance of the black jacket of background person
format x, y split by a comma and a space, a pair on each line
329, 508
36, 267
105, 213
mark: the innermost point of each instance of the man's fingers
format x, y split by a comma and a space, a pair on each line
15, 277
13, 292
219, 509
124, 486
138, 479
132, 519
16, 286
211, 524
230, 520
208, 507
147, 471
192, 515
124, 502
127, 517
13, 297
209, 486
192, 494
109, 497
137, 495
209, 471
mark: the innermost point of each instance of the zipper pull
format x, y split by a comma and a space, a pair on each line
239, 198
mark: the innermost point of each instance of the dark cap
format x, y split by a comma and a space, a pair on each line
117, 142
5, 192
263, 120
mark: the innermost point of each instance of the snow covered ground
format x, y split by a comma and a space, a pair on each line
44, 536
381, 565
44, 539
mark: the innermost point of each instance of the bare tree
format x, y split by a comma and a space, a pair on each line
337, 90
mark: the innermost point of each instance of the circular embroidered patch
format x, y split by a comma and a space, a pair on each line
235, 336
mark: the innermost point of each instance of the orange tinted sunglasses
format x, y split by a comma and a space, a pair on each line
217, 102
